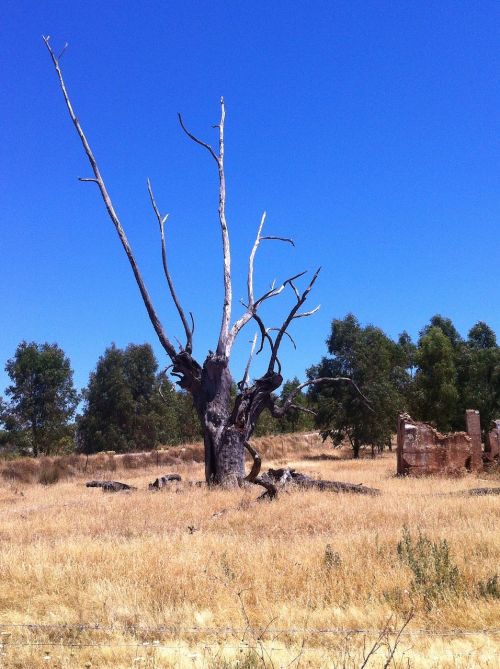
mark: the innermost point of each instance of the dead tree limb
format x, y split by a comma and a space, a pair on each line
271, 489
279, 411
153, 316
110, 486
163, 481
161, 222
252, 304
226, 248
257, 463
285, 476
244, 381
301, 298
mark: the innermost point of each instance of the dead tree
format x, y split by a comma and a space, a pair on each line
227, 425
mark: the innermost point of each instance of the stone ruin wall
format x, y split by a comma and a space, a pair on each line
492, 446
422, 450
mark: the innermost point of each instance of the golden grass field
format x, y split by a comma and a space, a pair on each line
191, 577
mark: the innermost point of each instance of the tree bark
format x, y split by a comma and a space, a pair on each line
224, 448
355, 449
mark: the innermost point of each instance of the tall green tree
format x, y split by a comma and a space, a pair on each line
129, 406
447, 328
122, 403
479, 373
436, 395
377, 365
42, 397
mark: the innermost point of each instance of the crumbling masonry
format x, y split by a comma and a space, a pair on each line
422, 450
492, 446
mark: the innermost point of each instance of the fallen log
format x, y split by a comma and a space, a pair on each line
110, 486
285, 476
163, 481
478, 492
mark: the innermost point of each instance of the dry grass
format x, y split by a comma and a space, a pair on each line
74, 556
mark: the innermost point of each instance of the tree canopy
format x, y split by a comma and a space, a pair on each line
129, 407
43, 399
436, 379
377, 366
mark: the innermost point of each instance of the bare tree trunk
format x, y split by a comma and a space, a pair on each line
228, 424
224, 445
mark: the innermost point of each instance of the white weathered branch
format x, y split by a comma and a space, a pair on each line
161, 222
251, 260
226, 247
244, 381
165, 342
300, 301
304, 314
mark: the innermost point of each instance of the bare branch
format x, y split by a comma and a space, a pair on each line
244, 381
298, 407
198, 141
287, 334
84, 180
222, 345
257, 463
252, 306
252, 258
165, 342
264, 333
307, 313
226, 248
62, 52
300, 301
271, 490
280, 239
161, 223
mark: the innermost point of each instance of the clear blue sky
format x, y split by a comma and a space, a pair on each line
367, 130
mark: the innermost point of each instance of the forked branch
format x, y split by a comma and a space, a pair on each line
252, 304
153, 316
226, 248
301, 298
244, 381
161, 222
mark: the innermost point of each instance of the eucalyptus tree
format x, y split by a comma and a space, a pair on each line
123, 409
42, 397
378, 368
227, 422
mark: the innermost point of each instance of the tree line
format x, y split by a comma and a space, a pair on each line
130, 405
435, 379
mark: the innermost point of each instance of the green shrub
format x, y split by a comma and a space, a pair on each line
435, 575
